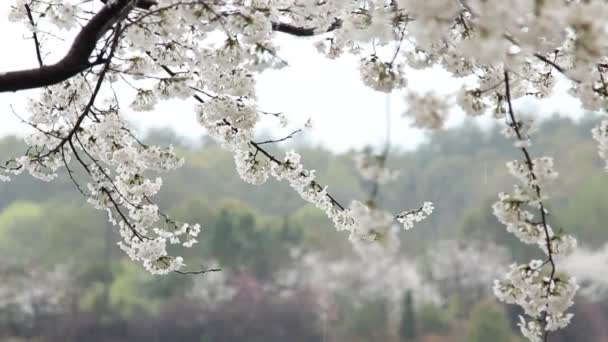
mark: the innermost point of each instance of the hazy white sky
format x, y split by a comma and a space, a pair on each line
345, 113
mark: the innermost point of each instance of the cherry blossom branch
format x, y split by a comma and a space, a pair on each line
515, 125
408, 218
51, 134
122, 215
280, 163
262, 150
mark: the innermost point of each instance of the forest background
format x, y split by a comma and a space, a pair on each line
286, 274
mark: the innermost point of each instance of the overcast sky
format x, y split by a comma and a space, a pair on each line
345, 113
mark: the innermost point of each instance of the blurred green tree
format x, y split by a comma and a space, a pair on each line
407, 328
488, 323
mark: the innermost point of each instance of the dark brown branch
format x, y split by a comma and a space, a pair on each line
293, 30
77, 58
34, 35
143, 4
303, 31
551, 63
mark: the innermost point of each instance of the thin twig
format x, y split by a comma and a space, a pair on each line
291, 135
199, 272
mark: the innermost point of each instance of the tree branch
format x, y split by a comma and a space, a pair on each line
541, 207
77, 58
143, 4
303, 31
34, 35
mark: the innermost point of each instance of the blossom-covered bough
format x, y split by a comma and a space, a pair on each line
140, 52
536, 287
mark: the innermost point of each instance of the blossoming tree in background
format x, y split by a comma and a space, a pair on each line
211, 50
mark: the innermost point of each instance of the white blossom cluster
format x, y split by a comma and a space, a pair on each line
374, 231
371, 168
408, 218
428, 110
471, 101
381, 76
542, 171
544, 298
524, 128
